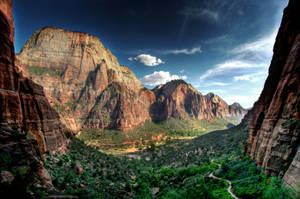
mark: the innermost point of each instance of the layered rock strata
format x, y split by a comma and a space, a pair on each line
29, 126
86, 85
23, 105
274, 139
180, 100
82, 80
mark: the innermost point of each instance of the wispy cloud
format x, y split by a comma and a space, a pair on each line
184, 51
160, 77
260, 50
245, 78
213, 83
147, 60
201, 13
230, 69
249, 63
254, 77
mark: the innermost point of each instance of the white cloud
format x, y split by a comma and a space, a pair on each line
215, 84
202, 13
238, 64
229, 68
160, 77
248, 66
147, 60
245, 78
184, 51
254, 77
210, 13
263, 45
248, 59
182, 71
260, 50
219, 84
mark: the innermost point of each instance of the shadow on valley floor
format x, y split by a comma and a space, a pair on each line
151, 133
178, 169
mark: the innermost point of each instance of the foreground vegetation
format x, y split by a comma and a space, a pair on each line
179, 169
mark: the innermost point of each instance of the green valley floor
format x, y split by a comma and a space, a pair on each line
178, 169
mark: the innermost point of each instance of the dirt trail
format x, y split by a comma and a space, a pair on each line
211, 175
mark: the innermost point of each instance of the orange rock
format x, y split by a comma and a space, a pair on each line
23, 103
180, 100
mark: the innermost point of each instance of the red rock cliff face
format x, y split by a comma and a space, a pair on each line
23, 105
28, 124
80, 76
274, 138
86, 85
180, 100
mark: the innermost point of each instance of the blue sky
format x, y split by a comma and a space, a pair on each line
219, 46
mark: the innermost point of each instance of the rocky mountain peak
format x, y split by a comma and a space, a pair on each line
75, 69
170, 87
85, 83
214, 98
236, 104
73, 56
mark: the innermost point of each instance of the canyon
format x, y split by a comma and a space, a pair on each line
87, 86
64, 81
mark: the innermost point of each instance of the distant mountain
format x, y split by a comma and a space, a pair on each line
89, 89
181, 100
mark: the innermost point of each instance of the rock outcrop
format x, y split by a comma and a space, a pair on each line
86, 85
120, 108
180, 100
84, 81
236, 110
23, 105
29, 126
274, 140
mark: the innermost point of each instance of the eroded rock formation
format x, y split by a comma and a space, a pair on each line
180, 100
274, 139
86, 85
84, 81
23, 105
29, 126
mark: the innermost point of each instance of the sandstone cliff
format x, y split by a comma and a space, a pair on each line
180, 100
274, 138
28, 124
23, 104
84, 81
86, 85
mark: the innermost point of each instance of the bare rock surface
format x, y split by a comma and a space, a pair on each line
181, 100
80, 75
84, 82
29, 126
274, 138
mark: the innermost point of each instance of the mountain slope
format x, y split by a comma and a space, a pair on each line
86, 85
75, 68
180, 100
